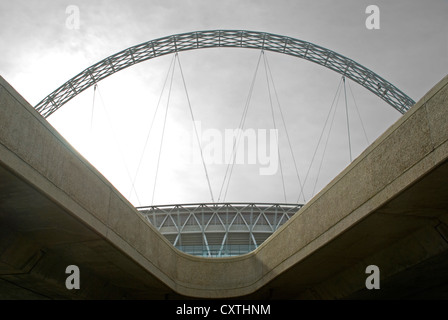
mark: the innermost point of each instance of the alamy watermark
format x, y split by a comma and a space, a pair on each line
237, 146
373, 20
73, 21
373, 280
73, 280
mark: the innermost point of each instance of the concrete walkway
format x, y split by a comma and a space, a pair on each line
389, 208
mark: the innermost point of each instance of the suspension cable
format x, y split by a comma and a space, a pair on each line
326, 141
116, 140
236, 140
93, 106
348, 122
163, 134
359, 115
150, 127
320, 138
195, 129
286, 130
275, 125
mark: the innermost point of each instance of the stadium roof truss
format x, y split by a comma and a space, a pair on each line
218, 229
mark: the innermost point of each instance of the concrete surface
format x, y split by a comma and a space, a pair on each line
388, 208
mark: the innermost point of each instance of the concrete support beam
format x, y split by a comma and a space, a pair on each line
388, 208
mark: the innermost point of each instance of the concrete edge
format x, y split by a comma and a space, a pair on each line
247, 288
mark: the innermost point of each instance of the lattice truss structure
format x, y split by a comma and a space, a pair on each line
218, 229
231, 39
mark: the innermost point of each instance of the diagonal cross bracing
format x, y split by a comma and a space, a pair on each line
218, 229
230, 39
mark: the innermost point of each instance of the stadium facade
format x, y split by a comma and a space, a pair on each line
218, 229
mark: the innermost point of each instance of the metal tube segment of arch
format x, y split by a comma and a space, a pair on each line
229, 39
218, 229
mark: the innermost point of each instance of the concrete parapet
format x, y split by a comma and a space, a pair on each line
389, 208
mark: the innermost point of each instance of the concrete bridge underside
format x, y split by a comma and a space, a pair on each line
388, 208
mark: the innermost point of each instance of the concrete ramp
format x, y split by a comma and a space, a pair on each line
389, 208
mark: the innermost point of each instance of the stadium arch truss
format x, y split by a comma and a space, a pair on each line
218, 229
225, 39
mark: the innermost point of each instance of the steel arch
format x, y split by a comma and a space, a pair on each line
225, 38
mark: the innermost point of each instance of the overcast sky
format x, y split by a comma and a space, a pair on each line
39, 53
